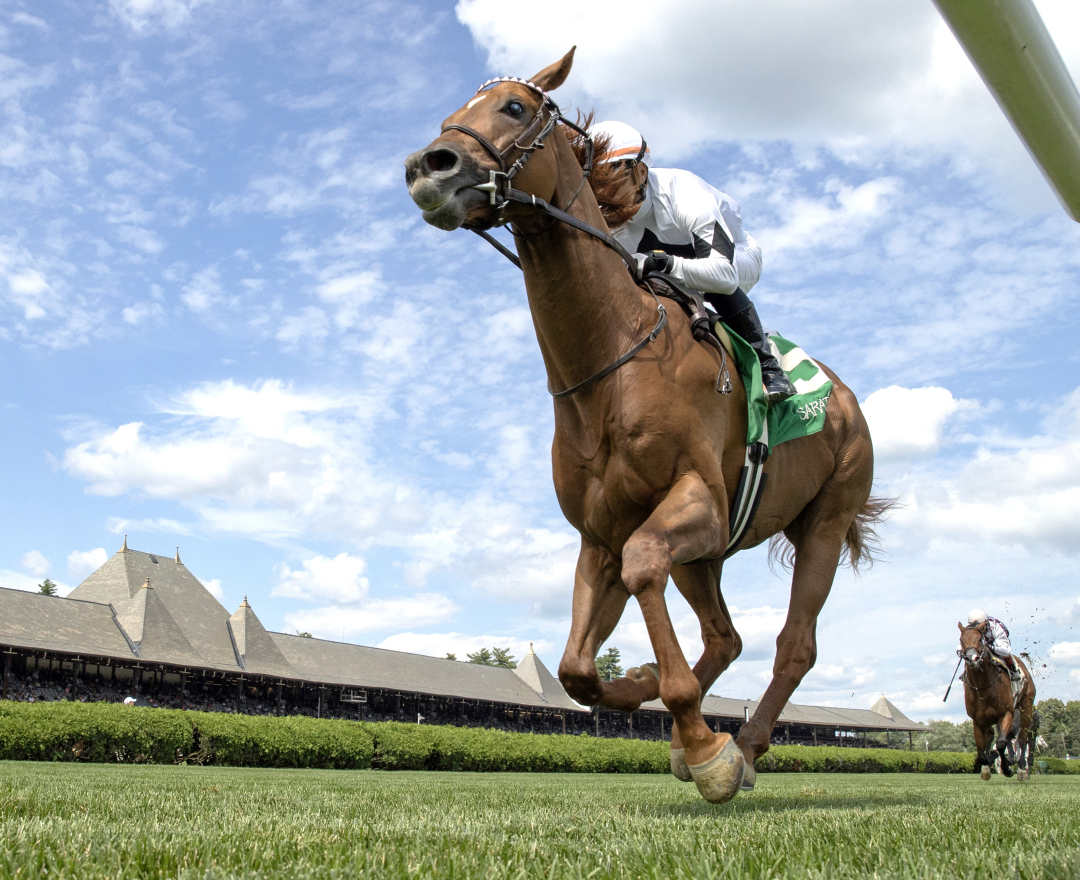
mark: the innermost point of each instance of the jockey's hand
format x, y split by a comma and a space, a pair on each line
654, 261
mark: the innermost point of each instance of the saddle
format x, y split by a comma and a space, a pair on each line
1016, 684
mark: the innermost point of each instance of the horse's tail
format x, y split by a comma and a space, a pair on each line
861, 543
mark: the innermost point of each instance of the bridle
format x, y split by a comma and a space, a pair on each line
982, 656
979, 652
542, 125
502, 194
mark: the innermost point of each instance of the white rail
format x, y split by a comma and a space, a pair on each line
1015, 55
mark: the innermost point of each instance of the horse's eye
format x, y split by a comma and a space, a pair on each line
515, 109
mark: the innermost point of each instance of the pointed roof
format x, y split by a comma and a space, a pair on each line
257, 651
202, 620
535, 674
152, 629
884, 707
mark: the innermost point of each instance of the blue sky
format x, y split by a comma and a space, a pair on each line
224, 325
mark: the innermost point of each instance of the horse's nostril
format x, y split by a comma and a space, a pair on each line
441, 160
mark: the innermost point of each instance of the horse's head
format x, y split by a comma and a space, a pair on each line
483, 141
972, 645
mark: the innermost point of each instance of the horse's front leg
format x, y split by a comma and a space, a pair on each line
599, 599
699, 584
983, 763
685, 526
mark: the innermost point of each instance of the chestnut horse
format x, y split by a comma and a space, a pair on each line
647, 459
989, 702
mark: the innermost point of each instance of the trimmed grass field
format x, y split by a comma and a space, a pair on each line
89, 821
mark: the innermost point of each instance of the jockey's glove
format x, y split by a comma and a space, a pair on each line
654, 261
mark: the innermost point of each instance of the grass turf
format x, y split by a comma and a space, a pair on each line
88, 821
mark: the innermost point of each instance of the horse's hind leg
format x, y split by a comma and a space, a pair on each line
817, 554
599, 600
1002, 744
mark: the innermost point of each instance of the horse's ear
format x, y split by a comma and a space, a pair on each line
555, 75
960, 626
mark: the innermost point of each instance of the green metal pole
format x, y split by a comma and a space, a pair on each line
1015, 55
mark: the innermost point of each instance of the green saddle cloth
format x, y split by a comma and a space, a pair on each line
798, 416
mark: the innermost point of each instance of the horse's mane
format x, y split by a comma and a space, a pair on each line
614, 191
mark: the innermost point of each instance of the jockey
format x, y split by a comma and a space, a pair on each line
693, 232
996, 636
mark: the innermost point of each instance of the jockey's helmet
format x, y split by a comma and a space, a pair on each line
976, 617
626, 143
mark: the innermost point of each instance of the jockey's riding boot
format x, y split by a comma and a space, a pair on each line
748, 325
1014, 670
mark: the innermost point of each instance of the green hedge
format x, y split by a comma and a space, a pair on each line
834, 759
107, 732
66, 731
266, 741
1056, 765
431, 747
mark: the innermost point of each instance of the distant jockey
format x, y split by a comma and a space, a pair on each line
996, 636
691, 231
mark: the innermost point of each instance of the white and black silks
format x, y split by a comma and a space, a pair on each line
700, 227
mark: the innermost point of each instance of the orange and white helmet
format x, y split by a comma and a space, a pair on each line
626, 143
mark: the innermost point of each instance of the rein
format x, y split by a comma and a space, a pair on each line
501, 194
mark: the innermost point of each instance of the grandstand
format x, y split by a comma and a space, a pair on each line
143, 626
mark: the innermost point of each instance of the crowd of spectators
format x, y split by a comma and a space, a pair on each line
216, 696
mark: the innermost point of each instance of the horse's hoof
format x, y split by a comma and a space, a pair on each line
637, 672
719, 778
749, 777
678, 766
984, 774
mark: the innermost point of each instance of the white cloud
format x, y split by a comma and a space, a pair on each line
120, 526
460, 644
254, 445
80, 563
849, 673
142, 312
843, 72
1014, 490
332, 622
908, 423
339, 579
1066, 653
214, 588
203, 291
841, 216
310, 324
144, 16
36, 563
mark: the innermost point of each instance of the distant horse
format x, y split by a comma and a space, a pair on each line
989, 702
647, 455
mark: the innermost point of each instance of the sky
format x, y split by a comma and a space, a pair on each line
225, 326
